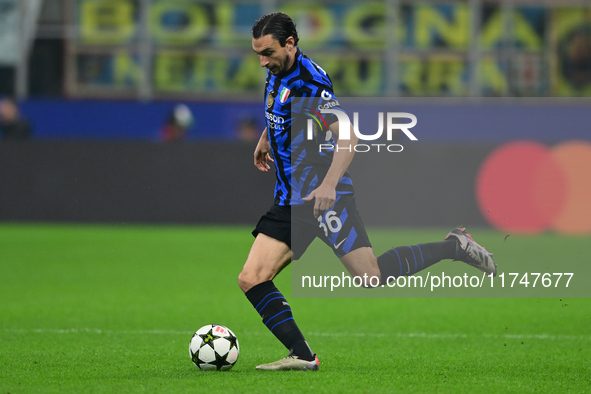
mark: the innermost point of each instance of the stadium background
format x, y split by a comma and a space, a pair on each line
98, 79
100, 290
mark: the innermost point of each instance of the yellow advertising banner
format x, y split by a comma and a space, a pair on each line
205, 46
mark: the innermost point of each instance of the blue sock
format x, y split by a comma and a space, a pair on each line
408, 260
276, 313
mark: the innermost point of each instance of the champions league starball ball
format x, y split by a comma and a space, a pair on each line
214, 347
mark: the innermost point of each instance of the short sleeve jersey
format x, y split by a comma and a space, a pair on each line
290, 100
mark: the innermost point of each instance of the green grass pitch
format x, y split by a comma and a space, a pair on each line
112, 309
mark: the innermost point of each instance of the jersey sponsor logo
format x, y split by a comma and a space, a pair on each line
328, 105
275, 122
284, 95
274, 118
325, 95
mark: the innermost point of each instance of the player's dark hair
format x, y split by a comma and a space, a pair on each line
278, 24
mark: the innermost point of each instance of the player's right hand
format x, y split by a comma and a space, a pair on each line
261, 159
261, 153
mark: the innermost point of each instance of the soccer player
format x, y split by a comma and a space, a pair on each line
308, 189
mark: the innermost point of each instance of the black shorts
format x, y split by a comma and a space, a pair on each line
340, 228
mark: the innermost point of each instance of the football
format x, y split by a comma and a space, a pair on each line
214, 347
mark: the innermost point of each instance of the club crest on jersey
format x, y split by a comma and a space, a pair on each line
270, 99
284, 95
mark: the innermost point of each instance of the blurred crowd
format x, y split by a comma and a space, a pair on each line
13, 126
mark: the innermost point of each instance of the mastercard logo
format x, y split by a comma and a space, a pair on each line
526, 187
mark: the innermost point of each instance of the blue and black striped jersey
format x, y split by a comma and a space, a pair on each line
290, 100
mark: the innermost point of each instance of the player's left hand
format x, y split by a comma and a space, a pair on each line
324, 196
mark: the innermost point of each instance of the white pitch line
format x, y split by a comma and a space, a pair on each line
92, 331
312, 334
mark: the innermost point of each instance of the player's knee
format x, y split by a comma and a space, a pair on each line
370, 273
247, 280
369, 279
374, 270
374, 279
244, 282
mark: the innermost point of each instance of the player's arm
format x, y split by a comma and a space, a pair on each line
261, 153
325, 194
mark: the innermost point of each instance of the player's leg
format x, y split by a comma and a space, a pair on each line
410, 259
458, 246
361, 262
352, 246
267, 257
400, 261
342, 229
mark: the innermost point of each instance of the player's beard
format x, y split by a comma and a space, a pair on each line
283, 66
